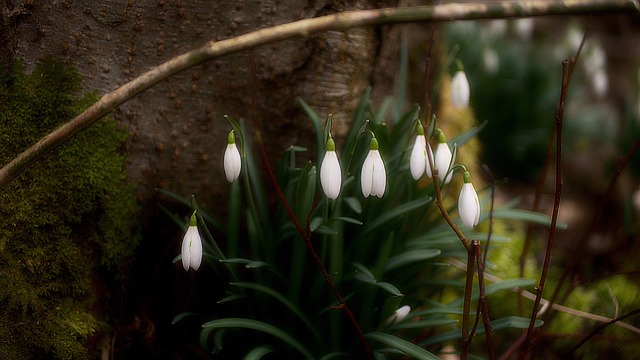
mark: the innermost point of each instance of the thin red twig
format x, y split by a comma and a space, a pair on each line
306, 236
566, 65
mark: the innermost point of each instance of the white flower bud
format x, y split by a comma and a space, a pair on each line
192, 246
330, 172
232, 160
468, 204
460, 91
373, 177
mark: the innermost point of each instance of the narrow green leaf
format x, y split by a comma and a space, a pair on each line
423, 324
393, 214
181, 316
402, 345
354, 204
258, 353
334, 355
411, 256
230, 298
347, 220
364, 271
390, 288
491, 289
262, 327
317, 127
390, 305
284, 301
467, 135
525, 215
516, 322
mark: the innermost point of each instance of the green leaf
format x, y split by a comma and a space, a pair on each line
364, 273
390, 305
354, 204
258, 353
317, 127
490, 289
423, 324
467, 135
525, 215
516, 322
498, 324
262, 327
347, 220
284, 301
402, 345
395, 213
411, 256
390, 288
181, 316
334, 355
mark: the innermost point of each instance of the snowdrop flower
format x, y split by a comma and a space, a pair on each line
468, 204
443, 158
600, 82
419, 163
192, 246
232, 161
524, 28
330, 173
490, 60
374, 177
460, 89
399, 315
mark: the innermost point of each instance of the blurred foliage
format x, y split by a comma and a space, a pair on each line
64, 220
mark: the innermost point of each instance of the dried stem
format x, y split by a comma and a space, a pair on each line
301, 29
545, 169
566, 66
600, 328
576, 256
482, 301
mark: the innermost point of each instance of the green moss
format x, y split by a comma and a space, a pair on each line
67, 217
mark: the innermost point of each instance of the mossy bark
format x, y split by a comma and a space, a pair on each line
65, 223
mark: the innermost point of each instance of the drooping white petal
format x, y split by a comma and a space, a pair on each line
330, 175
460, 91
468, 205
191, 249
398, 315
418, 160
366, 176
196, 250
442, 160
232, 162
373, 178
379, 183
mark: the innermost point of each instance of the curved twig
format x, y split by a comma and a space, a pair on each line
300, 29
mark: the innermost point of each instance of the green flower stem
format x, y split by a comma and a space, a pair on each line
216, 249
302, 29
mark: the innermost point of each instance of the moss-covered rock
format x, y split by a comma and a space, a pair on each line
63, 221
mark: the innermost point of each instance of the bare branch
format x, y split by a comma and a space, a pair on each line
300, 29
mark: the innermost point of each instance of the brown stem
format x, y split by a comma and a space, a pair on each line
466, 306
482, 301
600, 328
306, 236
543, 175
566, 65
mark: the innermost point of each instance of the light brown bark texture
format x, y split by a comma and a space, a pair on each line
178, 130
